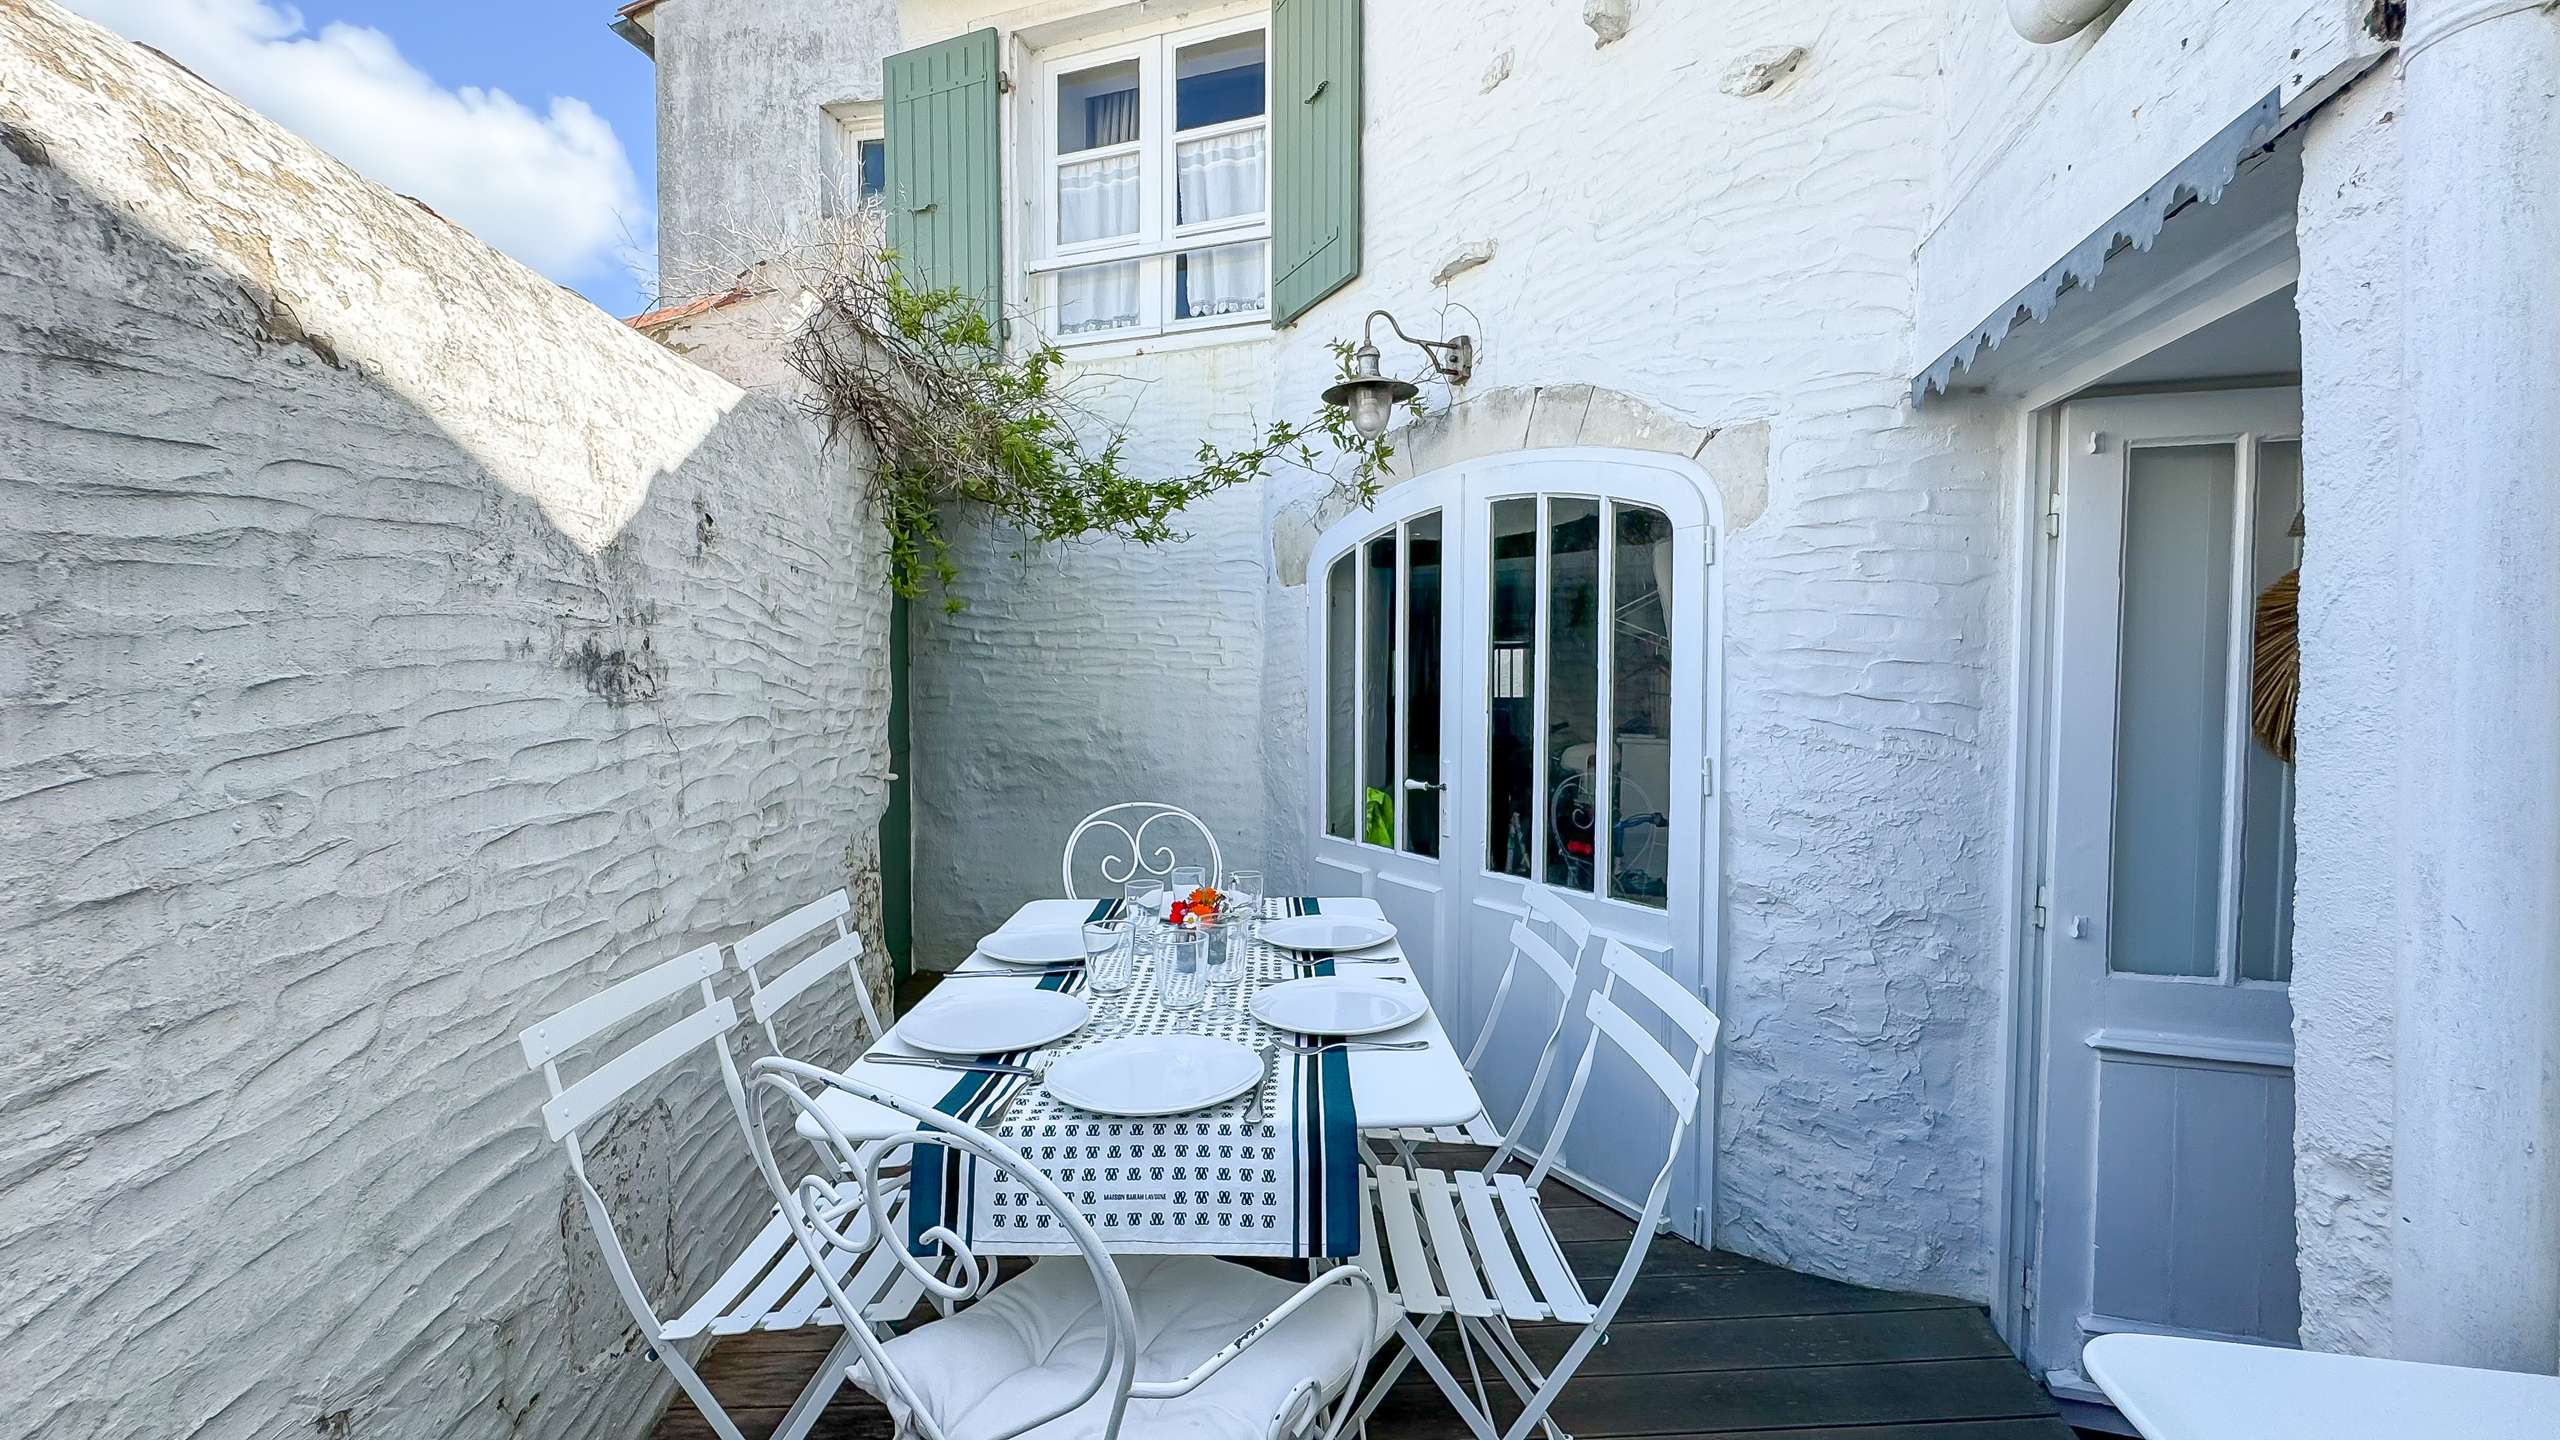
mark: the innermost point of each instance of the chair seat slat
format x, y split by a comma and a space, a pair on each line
1404, 1246
1493, 1248
1538, 1245
1449, 1245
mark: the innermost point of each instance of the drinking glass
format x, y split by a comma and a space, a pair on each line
1184, 879
1182, 972
1110, 955
1224, 944
1143, 899
1244, 891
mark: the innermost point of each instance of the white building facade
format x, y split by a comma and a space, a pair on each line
1841, 570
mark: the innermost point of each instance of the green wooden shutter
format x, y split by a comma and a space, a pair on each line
1315, 152
945, 162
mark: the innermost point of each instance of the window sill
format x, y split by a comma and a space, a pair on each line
1117, 346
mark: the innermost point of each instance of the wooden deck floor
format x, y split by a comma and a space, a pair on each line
1709, 1344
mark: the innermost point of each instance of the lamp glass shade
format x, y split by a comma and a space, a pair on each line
1372, 406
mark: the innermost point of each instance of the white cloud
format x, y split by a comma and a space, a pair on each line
553, 189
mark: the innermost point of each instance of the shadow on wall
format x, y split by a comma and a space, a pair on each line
387, 664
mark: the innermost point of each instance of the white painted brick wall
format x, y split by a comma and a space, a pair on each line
361, 701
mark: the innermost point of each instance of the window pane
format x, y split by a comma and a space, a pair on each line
2172, 711
1229, 280
1640, 793
1341, 791
875, 167
1097, 297
1219, 177
1573, 690
1097, 199
2266, 833
1378, 694
1098, 107
1422, 683
1511, 779
1217, 80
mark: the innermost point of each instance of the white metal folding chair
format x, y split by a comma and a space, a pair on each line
1079, 1349
770, 1285
1134, 821
1446, 1244
829, 918
1551, 937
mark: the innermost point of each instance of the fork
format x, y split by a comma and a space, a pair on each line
1038, 1067
1296, 1049
1253, 1112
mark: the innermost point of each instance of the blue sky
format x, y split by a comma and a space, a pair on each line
531, 123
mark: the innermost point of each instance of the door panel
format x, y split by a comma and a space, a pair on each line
1556, 607
2165, 1181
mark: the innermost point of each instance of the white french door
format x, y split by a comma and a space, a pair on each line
2166, 1144
1512, 682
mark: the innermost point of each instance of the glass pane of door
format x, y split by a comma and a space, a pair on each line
1573, 691
1511, 724
1640, 794
1378, 692
2173, 712
1341, 655
1422, 684
2266, 836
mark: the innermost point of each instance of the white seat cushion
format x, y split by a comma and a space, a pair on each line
1035, 1342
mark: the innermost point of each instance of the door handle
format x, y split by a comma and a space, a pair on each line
1412, 784
893, 777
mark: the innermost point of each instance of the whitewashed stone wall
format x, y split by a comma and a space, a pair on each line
394, 649
1737, 260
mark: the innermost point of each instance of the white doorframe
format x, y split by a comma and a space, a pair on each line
2263, 263
1682, 491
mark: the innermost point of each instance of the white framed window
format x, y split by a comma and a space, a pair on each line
855, 167
1151, 167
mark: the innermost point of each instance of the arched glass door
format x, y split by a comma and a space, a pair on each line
1512, 684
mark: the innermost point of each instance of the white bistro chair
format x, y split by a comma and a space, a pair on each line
770, 1286
1557, 962
1156, 838
1445, 1243
1070, 1349
828, 918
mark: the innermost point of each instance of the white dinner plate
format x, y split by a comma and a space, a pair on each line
1034, 944
1338, 1005
1326, 932
990, 1020
1143, 1075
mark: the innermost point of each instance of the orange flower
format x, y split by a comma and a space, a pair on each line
1205, 898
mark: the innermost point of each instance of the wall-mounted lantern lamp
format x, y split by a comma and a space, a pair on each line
1372, 397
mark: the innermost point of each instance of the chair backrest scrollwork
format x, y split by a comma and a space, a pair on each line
1138, 838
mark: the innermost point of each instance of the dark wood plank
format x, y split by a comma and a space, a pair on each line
1763, 1343
1709, 1401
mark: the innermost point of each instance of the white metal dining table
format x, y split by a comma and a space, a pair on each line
1390, 1088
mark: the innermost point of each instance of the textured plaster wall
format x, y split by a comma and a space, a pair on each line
1730, 261
2042, 143
394, 650
2345, 821
745, 149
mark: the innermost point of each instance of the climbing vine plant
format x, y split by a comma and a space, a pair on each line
953, 415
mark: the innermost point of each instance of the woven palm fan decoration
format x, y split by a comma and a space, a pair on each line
2275, 662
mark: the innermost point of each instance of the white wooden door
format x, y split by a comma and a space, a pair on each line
1576, 706
1383, 707
2166, 1152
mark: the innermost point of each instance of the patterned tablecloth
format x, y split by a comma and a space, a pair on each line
1208, 1182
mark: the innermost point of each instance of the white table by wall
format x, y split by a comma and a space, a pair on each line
1390, 1089
2179, 1389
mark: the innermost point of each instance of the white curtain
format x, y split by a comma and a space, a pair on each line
1228, 280
1097, 199
1097, 297
1218, 178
